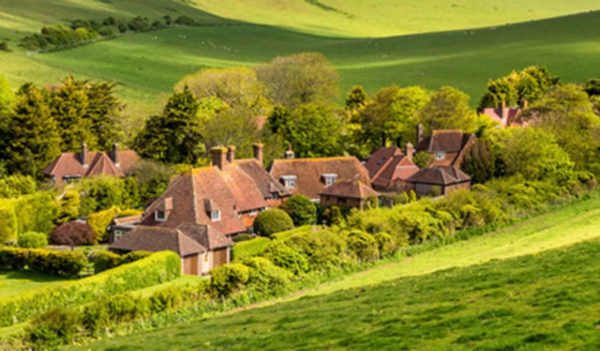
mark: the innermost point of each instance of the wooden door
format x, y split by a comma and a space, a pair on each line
219, 257
190, 265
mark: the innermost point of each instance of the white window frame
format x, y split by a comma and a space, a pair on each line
289, 181
329, 178
215, 215
440, 155
162, 218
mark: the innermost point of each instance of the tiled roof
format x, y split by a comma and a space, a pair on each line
158, 239
388, 166
309, 172
134, 219
440, 176
380, 158
444, 140
96, 163
265, 182
506, 116
354, 189
207, 236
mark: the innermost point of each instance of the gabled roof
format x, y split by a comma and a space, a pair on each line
505, 116
388, 166
440, 176
154, 239
444, 140
309, 172
380, 158
207, 236
102, 165
353, 189
95, 163
265, 182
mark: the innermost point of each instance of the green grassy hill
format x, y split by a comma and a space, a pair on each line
530, 286
147, 65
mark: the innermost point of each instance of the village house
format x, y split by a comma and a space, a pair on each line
310, 176
349, 193
505, 116
72, 166
121, 225
390, 168
439, 180
446, 147
200, 247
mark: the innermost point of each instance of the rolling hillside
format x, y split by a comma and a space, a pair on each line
478, 294
146, 65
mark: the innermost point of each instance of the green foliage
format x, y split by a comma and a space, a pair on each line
101, 193
592, 87
324, 249
32, 240
228, 279
265, 277
480, 162
300, 209
386, 244
31, 139
152, 179
70, 203
8, 224
449, 108
242, 237
53, 328
54, 262
16, 185
155, 269
286, 257
7, 96
272, 221
356, 99
99, 221
422, 159
299, 79
36, 212
74, 233
233, 126
175, 136
516, 88
363, 245
105, 260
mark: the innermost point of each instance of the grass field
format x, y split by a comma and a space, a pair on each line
147, 65
458, 297
14, 283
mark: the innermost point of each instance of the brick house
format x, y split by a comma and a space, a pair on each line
349, 193
72, 166
440, 180
310, 176
446, 147
390, 168
505, 116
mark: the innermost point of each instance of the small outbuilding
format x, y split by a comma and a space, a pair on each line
438, 181
350, 193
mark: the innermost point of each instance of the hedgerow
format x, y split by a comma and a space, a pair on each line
155, 269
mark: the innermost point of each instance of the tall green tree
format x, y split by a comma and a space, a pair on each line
176, 135
448, 108
234, 126
480, 162
357, 98
104, 112
32, 138
299, 79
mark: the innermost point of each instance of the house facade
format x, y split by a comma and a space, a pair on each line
311, 176
72, 166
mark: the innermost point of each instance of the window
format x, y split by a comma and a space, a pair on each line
215, 215
329, 178
118, 235
440, 155
289, 181
160, 216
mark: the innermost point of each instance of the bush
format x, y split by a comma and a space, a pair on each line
36, 212
265, 277
101, 193
17, 185
54, 262
325, 249
53, 328
99, 222
228, 279
242, 237
386, 244
69, 206
301, 210
8, 224
73, 233
33, 240
156, 269
185, 21
272, 221
105, 260
363, 245
285, 257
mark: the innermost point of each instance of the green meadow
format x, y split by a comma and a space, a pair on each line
530, 286
147, 65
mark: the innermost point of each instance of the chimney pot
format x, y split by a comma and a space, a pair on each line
83, 156
115, 154
410, 150
258, 152
218, 156
289, 154
231, 153
419, 132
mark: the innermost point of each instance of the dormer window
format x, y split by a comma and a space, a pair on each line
289, 181
440, 155
215, 215
329, 178
160, 216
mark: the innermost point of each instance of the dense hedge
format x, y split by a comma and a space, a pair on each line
105, 260
55, 262
36, 212
272, 221
32, 240
155, 269
99, 221
301, 210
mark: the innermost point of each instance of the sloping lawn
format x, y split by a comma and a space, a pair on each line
13, 283
548, 301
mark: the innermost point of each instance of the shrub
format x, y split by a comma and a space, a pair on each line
17, 185
53, 328
272, 221
54, 262
101, 193
69, 206
185, 20
73, 233
8, 224
386, 244
36, 212
4, 47
242, 237
33, 240
228, 279
286, 257
265, 277
363, 245
99, 222
301, 210
155, 269
324, 249
105, 260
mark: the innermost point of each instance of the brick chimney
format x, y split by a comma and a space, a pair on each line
83, 155
114, 154
410, 150
419, 132
258, 152
231, 153
289, 154
218, 156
